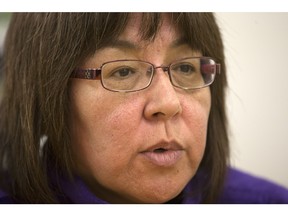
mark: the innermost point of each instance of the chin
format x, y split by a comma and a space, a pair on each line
159, 190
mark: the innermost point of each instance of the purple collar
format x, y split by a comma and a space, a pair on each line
239, 188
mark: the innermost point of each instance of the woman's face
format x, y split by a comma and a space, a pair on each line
145, 146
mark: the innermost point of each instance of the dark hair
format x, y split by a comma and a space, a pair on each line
41, 50
1, 63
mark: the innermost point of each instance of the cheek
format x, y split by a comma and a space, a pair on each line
196, 119
197, 109
101, 132
195, 116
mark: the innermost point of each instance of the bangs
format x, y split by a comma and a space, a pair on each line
150, 25
104, 28
198, 29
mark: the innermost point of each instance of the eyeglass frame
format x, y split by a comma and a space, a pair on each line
96, 73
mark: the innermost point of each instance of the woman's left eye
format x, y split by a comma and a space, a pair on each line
184, 68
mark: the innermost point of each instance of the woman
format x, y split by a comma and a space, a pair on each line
125, 107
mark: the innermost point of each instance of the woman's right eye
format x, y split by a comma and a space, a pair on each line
122, 73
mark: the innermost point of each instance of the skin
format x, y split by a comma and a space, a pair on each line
110, 130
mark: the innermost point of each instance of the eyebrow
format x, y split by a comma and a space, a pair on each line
133, 46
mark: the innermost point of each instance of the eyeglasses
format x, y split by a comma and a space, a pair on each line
134, 75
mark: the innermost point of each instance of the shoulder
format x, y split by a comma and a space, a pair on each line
5, 198
241, 187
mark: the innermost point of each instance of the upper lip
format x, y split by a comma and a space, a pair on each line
165, 145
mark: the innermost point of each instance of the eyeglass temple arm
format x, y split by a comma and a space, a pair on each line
92, 74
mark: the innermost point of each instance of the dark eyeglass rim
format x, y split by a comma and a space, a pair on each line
95, 73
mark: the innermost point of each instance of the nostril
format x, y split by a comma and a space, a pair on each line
156, 114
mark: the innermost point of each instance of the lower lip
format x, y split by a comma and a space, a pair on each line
165, 159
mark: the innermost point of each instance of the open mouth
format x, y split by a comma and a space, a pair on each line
160, 150
163, 156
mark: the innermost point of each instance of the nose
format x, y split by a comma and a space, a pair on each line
163, 101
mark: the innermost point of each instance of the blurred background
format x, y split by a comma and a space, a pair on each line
256, 49
4, 21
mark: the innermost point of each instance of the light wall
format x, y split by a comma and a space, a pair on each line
256, 49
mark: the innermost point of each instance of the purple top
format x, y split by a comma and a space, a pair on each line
239, 188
